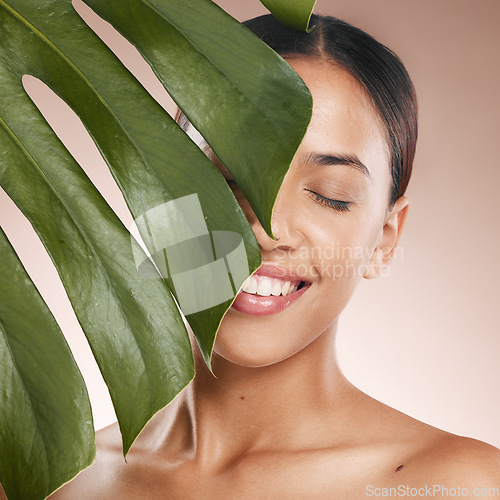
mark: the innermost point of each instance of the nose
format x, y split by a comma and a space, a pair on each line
284, 223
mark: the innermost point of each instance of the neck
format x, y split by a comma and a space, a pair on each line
245, 409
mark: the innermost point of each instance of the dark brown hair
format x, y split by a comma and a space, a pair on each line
375, 66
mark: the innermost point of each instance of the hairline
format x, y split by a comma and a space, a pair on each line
322, 56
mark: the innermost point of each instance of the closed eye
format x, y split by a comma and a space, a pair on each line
338, 205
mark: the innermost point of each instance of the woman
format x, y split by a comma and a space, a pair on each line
280, 420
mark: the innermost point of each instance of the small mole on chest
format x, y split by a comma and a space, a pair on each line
399, 468
242, 397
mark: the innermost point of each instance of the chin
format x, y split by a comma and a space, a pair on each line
258, 350
252, 353
248, 359
256, 341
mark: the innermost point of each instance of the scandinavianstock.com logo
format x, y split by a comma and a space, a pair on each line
202, 266
434, 490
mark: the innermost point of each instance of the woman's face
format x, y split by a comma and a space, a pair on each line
331, 219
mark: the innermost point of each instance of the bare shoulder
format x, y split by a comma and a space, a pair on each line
451, 466
414, 454
461, 459
95, 481
447, 461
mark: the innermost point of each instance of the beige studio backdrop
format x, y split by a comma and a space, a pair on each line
426, 338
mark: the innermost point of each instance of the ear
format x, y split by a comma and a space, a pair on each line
388, 239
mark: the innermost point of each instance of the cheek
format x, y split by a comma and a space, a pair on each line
340, 248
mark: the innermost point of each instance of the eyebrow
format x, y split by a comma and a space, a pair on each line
326, 160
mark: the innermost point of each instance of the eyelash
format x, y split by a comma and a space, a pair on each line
339, 206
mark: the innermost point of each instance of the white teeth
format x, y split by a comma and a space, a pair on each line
250, 285
285, 287
265, 286
276, 288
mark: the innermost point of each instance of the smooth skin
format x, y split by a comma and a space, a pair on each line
280, 420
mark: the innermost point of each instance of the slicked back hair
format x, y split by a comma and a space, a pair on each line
376, 67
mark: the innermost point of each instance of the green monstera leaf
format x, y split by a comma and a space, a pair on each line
251, 108
40, 385
230, 85
293, 13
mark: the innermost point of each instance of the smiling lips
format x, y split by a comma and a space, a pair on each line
269, 290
